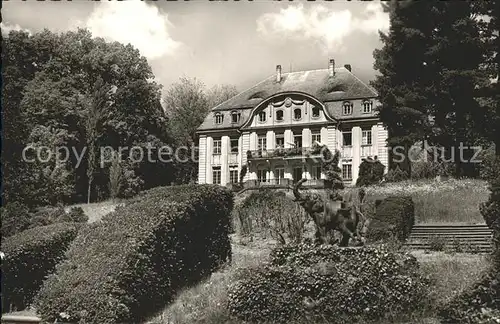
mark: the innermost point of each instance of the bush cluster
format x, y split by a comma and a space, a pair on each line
132, 262
29, 257
313, 283
394, 218
271, 213
370, 172
479, 304
16, 217
396, 175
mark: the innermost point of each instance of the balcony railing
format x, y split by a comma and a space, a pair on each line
282, 183
283, 152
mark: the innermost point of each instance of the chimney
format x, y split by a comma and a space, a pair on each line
331, 67
278, 73
348, 67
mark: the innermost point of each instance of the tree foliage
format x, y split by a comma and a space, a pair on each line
51, 81
428, 91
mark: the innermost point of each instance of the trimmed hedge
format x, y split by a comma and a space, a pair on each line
370, 172
29, 257
135, 260
314, 283
394, 218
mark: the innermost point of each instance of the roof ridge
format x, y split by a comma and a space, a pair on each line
301, 71
363, 83
255, 85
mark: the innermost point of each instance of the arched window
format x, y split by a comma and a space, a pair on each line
219, 118
297, 114
347, 108
235, 117
315, 112
262, 116
279, 115
367, 106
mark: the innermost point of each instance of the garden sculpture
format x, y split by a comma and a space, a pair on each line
330, 214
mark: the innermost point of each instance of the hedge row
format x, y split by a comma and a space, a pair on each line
135, 260
29, 257
394, 218
16, 217
310, 283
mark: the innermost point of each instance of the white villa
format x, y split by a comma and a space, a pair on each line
272, 127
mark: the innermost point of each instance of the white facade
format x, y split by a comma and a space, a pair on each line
286, 123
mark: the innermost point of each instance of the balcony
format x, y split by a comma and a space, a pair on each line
282, 184
284, 153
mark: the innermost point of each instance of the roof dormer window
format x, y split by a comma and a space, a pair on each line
235, 117
218, 118
367, 107
347, 108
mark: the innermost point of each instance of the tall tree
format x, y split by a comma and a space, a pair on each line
95, 112
59, 75
187, 103
428, 91
403, 77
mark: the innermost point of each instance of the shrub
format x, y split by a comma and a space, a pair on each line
479, 304
438, 243
396, 175
394, 217
134, 260
370, 172
76, 214
313, 283
15, 218
270, 212
29, 257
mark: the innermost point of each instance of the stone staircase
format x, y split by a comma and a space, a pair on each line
458, 238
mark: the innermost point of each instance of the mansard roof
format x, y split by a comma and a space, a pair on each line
344, 85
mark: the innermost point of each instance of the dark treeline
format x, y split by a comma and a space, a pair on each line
83, 93
436, 70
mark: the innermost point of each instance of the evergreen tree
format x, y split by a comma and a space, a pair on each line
403, 79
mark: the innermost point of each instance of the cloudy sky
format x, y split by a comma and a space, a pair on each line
237, 43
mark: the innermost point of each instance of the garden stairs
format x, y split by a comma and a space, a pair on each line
458, 238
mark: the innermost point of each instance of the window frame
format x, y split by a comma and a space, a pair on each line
238, 116
237, 147
369, 104
260, 115
282, 115
369, 136
261, 138
232, 170
315, 133
294, 115
295, 140
219, 146
218, 118
349, 171
350, 107
279, 136
217, 170
343, 138
312, 112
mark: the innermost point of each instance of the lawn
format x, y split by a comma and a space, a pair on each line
439, 202
206, 301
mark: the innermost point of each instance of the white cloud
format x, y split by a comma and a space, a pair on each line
134, 22
6, 28
321, 24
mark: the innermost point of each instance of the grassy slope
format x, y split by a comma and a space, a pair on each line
452, 201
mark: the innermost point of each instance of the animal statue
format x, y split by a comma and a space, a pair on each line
331, 214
